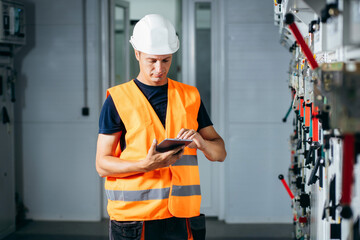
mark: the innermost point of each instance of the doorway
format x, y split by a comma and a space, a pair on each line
115, 25
119, 41
201, 64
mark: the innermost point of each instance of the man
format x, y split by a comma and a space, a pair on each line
151, 194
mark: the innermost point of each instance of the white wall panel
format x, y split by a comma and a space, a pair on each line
57, 12
55, 144
257, 140
256, 105
256, 11
50, 106
252, 36
257, 156
59, 171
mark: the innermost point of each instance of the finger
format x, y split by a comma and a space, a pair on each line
194, 137
186, 134
192, 145
189, 134
175, 157
174, 151
197, 141
182, 131
180, 154
152, 149
181, 151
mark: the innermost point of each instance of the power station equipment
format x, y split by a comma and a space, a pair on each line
323, 38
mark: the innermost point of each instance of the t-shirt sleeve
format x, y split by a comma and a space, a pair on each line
110, 121
203, 117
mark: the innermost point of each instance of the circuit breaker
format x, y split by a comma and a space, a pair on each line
12, 22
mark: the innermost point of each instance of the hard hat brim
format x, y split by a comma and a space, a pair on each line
164, 50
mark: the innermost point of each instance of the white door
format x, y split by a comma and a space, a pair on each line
200, 50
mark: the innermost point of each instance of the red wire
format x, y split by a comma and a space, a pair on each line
304, 47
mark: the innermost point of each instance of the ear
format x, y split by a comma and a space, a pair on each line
137, 54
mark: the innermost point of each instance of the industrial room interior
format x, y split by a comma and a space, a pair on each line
53, 85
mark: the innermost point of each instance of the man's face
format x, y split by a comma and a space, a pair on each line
153, 68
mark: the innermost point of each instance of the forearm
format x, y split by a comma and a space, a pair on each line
109, 166
214, 150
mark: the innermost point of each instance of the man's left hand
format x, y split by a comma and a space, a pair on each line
198, 140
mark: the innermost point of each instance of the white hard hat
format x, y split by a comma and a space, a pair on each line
154, 34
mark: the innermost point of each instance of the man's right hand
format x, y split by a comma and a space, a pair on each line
155, 159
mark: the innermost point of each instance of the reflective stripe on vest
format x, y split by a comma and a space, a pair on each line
164, 192
186, 160
153, 194
188, 190
142, 195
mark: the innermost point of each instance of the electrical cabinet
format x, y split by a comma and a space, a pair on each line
12, 37
325, 95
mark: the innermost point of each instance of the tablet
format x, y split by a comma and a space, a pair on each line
172, 143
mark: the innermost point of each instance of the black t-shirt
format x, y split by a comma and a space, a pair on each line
110, 121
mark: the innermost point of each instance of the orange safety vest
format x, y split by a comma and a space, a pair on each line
165, 192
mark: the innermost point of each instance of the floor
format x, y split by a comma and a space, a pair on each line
215, 230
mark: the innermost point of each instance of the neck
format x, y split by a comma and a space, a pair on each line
150, 82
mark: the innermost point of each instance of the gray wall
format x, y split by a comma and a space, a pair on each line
257, 98
55, 144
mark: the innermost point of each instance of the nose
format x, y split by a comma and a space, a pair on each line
158, 66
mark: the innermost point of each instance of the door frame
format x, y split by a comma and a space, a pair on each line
112, 5
218, 89
107, 53
107, 42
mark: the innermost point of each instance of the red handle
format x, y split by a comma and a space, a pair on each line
281, 177
315, 123
347, 175
289, 19
307, 115
302, 107
347, 169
